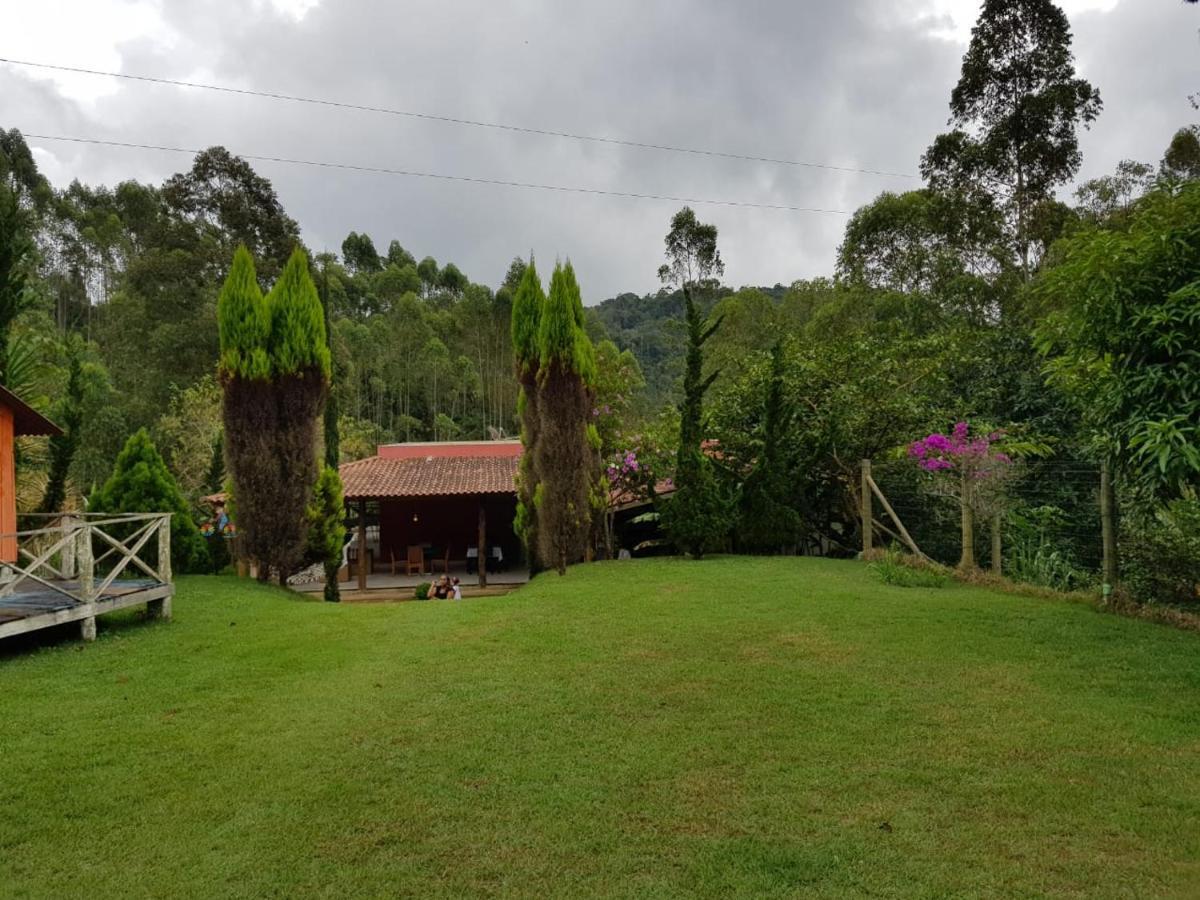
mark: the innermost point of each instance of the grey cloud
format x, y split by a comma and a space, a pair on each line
857, 84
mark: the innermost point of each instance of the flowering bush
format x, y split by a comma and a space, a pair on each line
961, 452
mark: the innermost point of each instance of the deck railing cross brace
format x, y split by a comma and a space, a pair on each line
25, 573
130, 553
119, 547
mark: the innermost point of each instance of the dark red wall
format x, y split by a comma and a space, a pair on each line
443, 521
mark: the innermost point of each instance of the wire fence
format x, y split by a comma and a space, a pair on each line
1047, 513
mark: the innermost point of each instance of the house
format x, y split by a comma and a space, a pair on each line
17, 419
434, 503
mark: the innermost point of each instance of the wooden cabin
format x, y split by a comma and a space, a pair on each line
17, 419
75, 566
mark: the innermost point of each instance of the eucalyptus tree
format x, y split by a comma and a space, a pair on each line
1015, 112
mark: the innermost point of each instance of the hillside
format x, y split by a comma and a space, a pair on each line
749, 727
651, 326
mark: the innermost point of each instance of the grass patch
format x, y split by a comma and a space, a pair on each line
636, 728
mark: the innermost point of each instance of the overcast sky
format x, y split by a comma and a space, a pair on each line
861, 83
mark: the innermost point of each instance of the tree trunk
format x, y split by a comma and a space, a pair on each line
967, 562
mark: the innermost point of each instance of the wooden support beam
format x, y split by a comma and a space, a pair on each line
362, 545
483, 558
161, 608
1108, 529
68, 549
865, 501
904, 535
87, 580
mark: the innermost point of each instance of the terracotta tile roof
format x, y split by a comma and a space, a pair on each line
429, 476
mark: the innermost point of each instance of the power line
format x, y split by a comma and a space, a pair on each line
475, 123
471, 179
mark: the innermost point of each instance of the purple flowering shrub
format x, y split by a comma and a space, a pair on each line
967, 467
960, 451
630, 476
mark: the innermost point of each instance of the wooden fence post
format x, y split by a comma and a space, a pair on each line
997, 545
161, 608
868, 515
1108, 529
68, 550
967, 561
87, 579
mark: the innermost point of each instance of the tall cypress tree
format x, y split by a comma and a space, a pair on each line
333, 448
697, 517
563, 457
275, 366
249, 410
768, 523
526, 323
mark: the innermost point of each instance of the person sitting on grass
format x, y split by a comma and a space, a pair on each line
440, 588
457, 587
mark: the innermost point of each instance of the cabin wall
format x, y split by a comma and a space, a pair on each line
8, 489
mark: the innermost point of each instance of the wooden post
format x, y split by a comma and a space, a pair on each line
68, 550
1108, 529
362, 545
997, 545
483, 559
161, 608
87, 580
868, 526
967, 561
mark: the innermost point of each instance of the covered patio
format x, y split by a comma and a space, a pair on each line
425, 509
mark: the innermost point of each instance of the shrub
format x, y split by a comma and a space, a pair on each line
1033, 557
700, 514
1160, 554
422, 590
893, 567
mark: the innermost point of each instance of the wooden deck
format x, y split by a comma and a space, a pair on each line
80, 567
42, 607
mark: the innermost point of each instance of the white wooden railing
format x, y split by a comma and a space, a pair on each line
62, 557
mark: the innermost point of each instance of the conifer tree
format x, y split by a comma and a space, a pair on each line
249, 410
141, 482
697, 517
564, 459
333, 449
769, 524
275, 366
327, 529
526, 323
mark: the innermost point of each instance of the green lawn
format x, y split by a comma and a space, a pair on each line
659, 728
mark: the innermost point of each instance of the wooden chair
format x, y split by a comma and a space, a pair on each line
416, 561
443, 560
